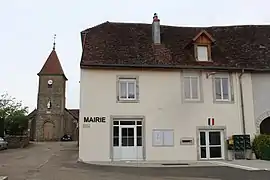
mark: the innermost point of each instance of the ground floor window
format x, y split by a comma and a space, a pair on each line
127, 133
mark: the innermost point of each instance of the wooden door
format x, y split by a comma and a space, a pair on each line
48, 131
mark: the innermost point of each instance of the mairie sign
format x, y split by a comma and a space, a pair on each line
95, 119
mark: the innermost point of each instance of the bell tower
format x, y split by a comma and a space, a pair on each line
51, 99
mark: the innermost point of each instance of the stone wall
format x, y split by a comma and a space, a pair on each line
17, 141
70, 127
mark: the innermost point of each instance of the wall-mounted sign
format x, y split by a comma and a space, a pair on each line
95, 119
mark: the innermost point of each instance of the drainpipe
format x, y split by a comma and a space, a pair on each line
242, 102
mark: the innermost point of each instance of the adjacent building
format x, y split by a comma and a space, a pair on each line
51, 120
156, 92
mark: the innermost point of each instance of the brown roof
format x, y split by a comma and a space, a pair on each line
130, 45
52, 66
32, 114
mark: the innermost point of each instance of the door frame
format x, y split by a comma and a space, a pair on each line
213, 128
127, 118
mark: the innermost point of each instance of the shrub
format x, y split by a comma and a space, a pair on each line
261, 146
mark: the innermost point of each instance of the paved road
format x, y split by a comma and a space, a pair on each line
57, 161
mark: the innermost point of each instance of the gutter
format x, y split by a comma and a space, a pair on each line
168, 67
242, 102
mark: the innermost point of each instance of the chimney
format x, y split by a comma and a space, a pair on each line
156, 29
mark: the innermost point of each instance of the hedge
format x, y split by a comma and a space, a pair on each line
261, 146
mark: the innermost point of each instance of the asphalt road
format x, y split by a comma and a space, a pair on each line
58, 161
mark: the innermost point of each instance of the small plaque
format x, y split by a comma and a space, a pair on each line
86, 126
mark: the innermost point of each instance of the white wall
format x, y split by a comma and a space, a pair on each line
161, 104
261, 97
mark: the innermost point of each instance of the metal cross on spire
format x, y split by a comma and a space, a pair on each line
54, 37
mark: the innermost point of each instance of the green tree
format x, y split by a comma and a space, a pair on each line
14, 115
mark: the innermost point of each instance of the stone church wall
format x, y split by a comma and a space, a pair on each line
70, 126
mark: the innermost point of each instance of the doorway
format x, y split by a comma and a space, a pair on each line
211, 144
265, 126
127, 140
48, 131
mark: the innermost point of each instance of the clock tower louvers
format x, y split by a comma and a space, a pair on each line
50, 124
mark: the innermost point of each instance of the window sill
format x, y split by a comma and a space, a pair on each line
209, 60
128, 101
223, 102
192, 101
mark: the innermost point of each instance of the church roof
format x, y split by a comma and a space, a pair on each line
52, 66
74, 113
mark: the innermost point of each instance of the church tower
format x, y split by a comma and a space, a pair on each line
50, 124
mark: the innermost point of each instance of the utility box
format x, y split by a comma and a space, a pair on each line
241, 145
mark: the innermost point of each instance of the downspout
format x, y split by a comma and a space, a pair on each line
242, 102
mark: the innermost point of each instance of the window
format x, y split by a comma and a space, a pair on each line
115, 136
139, 135
202, 53
191, 88
125, 136
163, 137
128, 89
222, 88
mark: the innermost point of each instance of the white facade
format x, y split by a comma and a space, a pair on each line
261, 97
163, 117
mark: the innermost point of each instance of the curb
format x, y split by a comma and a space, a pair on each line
247, 168
145, 165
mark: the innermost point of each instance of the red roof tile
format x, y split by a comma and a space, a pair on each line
52, 66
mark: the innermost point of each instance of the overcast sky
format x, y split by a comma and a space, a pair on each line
27, 28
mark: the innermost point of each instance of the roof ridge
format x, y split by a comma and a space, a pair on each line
179, 26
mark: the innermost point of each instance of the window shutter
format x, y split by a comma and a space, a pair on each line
117, 89
137, 89
196, 52
231, 88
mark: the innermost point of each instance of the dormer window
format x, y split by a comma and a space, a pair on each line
202, 53
202, 44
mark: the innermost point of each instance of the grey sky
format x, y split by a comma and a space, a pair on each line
27, 29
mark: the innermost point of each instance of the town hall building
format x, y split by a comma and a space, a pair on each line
51, 120
152, 92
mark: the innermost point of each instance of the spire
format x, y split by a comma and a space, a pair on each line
54, 37
52, 66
